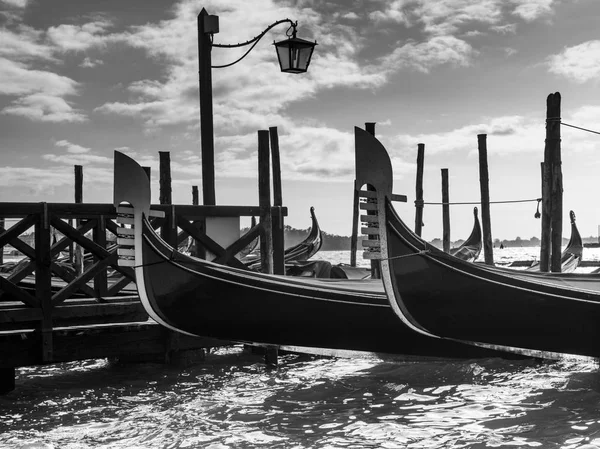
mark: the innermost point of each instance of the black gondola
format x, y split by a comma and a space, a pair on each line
443, 297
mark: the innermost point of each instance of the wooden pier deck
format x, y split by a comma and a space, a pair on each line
53, 312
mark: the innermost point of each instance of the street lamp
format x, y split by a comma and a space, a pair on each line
293, 54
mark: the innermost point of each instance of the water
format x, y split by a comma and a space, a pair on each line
233, 400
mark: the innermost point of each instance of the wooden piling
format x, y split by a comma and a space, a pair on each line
545, 241
206, 111
195, 198
43, 281
78, 250
354, 235
276, 167
445, 211
419, 189
375, 264
165, 177
2, 224
168, 230
7, 380
556, 190
484, 183
278, 227
264, 201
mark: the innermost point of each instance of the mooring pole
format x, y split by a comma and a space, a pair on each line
78, 251
375, 265
278, 229
545, 245
195, 199
556, 191
445, 212
355, 215
207, 141
484, 183
264, 201
168, 230
419, 189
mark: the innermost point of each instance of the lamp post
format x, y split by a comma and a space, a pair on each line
294, 57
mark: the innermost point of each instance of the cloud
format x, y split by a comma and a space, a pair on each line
81, 37
530, 10
44, 108
16, 3
579, 63
24, 44
71, 147
77, 159
423, 56
91, 63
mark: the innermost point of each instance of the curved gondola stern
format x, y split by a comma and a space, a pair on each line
131, 198
374, 169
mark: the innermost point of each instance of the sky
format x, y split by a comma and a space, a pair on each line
80, 79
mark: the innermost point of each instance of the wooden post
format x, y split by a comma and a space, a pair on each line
375, 265
556, 190
545, 245
206, 111
419, 189
148, 172
277, 193
199, 224
43, 280
445, 211
2, 223
7, 379
78, 254
278, 227
168, 230
165, 177
101, 279
484, 183
264, 201
355, 215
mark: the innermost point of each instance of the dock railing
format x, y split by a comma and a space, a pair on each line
44, 292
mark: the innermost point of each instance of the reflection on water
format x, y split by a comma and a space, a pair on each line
234, 401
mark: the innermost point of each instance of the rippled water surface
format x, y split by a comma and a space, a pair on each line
233, 400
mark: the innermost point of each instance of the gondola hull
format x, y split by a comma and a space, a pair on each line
453, 299
202, 298
205, 299
441, 296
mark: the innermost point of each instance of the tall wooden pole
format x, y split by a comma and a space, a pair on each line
445, 212
264, 201
206, 111
169, 229
375, 265
276, 162
278, 228
556, 191
545, 242
419, 189
484, 183
78, 250
355, 215
165, 177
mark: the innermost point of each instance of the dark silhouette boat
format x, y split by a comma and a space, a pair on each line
471, 248
202, 298
440, 296
296, 253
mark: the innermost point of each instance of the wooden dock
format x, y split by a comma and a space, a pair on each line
55, 311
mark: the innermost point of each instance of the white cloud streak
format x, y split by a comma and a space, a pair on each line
579, 63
